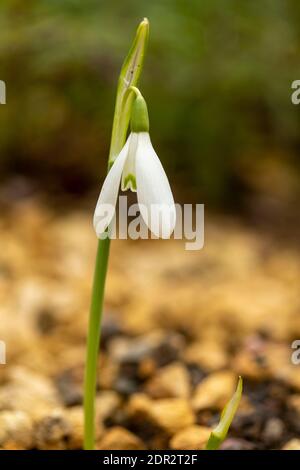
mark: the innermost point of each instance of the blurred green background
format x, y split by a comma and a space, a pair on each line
217, 80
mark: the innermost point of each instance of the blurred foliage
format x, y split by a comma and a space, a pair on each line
217, 80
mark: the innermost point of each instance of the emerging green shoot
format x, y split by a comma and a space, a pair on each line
219, 434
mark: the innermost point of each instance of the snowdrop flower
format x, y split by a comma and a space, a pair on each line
138, 168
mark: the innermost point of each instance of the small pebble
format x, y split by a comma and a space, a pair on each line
273, 431
126, 384
15, 393
191, 438
250, 365
294, 404
214, 391
16, 430
74, 416
293, 444
52, 432
118, 438
45, 321
162, 349
209, 356
107, 403
69, 386
170, 381
168, 415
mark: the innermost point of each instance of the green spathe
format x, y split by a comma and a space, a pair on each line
129, 77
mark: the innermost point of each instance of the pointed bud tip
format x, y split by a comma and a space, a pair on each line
144, 25
240, 385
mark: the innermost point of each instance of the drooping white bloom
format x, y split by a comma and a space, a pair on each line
138, 168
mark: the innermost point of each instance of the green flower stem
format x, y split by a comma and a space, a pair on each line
129, 76
94, 341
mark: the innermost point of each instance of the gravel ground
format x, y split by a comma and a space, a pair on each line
179, 328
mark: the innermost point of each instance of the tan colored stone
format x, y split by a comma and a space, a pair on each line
139, 405
208, 355
214, 391
53, 431
281, 366
143, 322
16, 430
147, 368
246, 365
294, 403
173, 414
34, 399
170, 381
191, 438
106, 404
74, 416
169, 414
293, 444
118, 438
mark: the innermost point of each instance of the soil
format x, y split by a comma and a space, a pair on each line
179, 327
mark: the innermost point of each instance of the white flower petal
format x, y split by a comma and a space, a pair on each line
153, 190
109, 193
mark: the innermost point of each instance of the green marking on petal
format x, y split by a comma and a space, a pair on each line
129, 182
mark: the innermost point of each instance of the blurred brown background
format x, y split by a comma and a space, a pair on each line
218, 81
